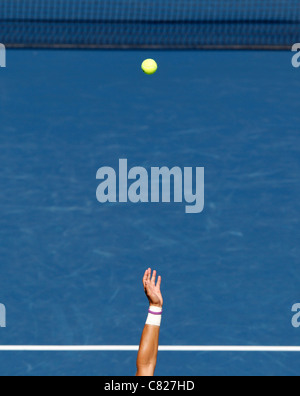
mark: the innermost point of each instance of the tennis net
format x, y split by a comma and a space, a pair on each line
150, 23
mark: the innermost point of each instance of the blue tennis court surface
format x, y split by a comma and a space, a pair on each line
71, 268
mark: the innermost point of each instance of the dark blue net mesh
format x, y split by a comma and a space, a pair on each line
150, 23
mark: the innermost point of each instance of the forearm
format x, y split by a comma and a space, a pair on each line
147, 356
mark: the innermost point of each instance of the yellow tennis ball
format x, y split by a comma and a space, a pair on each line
149, 66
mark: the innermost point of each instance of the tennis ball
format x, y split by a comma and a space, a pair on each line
149, 66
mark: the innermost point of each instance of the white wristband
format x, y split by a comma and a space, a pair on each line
154, 316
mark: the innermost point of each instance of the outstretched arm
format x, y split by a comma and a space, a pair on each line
147, 355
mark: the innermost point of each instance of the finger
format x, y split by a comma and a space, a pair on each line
145, 277
149, 275
158, 282
153, 277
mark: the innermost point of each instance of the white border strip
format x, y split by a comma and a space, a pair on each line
163, 348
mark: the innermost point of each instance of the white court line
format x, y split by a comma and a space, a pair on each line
163, 348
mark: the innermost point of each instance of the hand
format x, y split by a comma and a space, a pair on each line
152, 290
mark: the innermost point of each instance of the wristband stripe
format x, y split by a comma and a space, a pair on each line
155, 313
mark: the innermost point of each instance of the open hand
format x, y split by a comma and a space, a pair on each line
152, 289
